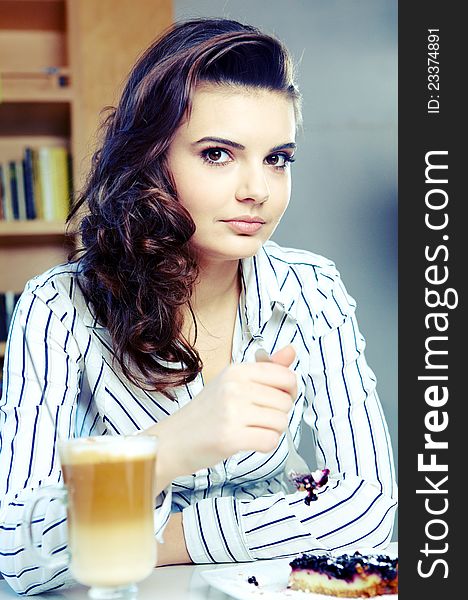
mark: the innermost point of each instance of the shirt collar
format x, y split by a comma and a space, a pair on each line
261, 279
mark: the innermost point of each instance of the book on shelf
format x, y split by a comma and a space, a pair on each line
47, 187
7, 207
29, 183
20, 189
38, 186
3, 320
55, 179
8, 302
13, 189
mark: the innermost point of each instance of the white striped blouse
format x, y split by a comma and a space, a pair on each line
239, 509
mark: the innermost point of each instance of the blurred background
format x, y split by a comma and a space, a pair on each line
62, 61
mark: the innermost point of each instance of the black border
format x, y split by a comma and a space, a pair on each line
420, 132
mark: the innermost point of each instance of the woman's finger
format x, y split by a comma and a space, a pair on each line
265, 395
266, 418
269, 374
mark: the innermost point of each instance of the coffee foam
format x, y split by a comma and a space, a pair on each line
106, 448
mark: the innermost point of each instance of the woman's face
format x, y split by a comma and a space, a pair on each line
230, 164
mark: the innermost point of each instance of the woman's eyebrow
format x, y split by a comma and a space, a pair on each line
238, 146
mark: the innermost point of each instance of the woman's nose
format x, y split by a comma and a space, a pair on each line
253, 186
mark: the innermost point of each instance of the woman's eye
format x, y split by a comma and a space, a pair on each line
279, 160
215, 156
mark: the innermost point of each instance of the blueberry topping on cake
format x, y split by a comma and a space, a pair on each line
348, 575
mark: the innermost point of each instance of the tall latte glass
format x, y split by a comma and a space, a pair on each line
109, 492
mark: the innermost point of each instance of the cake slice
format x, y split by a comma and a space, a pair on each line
346, 576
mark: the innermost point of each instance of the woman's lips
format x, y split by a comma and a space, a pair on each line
247, 227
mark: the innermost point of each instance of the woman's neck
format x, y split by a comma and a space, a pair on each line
218, 284
214, 300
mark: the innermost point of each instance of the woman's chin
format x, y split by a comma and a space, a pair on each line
241, 247
244, 245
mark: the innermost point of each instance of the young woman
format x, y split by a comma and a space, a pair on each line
153, 327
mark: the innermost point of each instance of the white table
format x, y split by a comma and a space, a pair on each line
182, 582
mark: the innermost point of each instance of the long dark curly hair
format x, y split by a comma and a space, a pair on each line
137, 267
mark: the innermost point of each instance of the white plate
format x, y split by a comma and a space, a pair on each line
272, 577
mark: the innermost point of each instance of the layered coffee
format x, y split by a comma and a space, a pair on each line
110, 483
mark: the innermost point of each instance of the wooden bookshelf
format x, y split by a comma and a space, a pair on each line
34, 88
35, 230
61, 63
35, 110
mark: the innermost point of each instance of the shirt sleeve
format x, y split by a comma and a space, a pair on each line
162, 513
32, 413
357, 506
39, 404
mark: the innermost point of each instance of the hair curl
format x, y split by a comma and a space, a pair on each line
137, 267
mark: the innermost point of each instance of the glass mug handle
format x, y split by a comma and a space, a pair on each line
57, 493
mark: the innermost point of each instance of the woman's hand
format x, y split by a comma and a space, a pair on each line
244, 408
